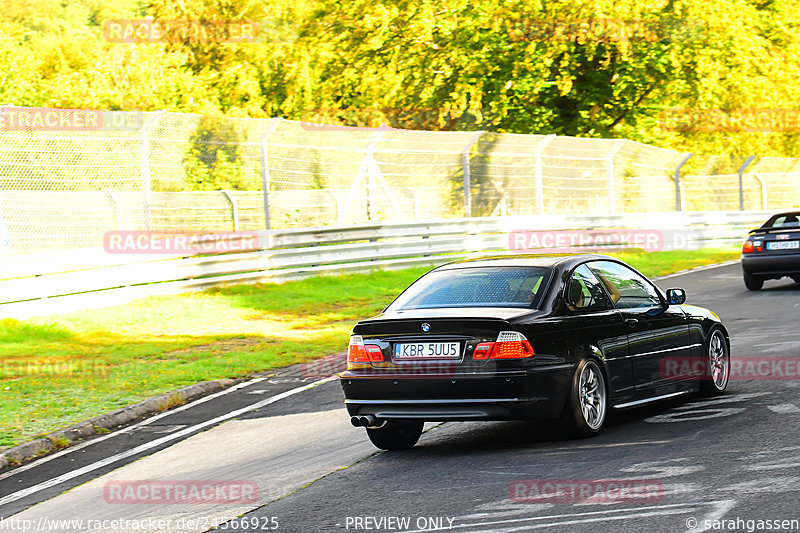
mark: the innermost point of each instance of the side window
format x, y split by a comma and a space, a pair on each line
627, 288
585, 292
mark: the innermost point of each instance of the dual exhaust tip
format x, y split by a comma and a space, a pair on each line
366, 421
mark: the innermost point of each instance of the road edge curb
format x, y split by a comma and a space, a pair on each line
63, 438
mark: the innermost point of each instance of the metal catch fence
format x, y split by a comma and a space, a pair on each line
69, 176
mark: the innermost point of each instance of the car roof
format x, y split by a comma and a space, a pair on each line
533, 260
785, 213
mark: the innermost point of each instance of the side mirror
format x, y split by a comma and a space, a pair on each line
676, 296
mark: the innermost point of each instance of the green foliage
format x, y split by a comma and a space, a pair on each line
526, 67
597, 68
214, 162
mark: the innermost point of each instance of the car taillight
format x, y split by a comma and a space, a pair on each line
482, 351
375, 353
358, 352
747, 247
509, 345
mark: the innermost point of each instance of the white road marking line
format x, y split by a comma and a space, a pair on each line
576, 518
781, 484
528, 527
729, 398
158, 442
695, 415
664, 468
697, 269
571, 449
719, 511
618, 444
706, 409
784, 408
145, 422
785, 464
777, 451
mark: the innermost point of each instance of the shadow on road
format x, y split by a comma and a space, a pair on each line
467, 438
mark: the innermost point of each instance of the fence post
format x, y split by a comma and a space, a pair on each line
234, 205
366, 171
115, 206
683, 197
144, 166
610, 177
678, 186
265, 179
539, 173
467, 173
741, 180
763, 190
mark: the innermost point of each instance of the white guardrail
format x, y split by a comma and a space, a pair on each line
84, 278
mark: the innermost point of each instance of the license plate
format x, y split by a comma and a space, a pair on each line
784, 245
427, 350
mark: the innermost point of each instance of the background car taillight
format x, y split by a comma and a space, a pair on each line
358, 352
509, 345
747, 247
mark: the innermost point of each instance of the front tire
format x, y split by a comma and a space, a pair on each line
753, 283
395, 435
718, 365
585, 412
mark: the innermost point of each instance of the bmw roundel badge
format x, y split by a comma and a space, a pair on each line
426, 328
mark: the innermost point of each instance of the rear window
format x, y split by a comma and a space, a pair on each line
783, 221
476, 287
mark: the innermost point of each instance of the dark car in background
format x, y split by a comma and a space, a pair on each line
772, 251
564, 338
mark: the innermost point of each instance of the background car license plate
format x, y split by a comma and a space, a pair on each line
428, 350
785, 245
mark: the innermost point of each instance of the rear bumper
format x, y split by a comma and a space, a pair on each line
771, 265
509, 395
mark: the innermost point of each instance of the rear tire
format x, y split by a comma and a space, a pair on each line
396, 435
718, 365
753, 283
585, 412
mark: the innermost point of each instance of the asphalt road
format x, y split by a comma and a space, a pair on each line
719, 464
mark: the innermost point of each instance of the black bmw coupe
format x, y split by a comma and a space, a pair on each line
772, 251
528, 338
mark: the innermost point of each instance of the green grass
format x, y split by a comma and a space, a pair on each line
57, 371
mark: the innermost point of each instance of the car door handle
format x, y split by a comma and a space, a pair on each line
631, 321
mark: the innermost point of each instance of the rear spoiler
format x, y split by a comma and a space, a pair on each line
770, 229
